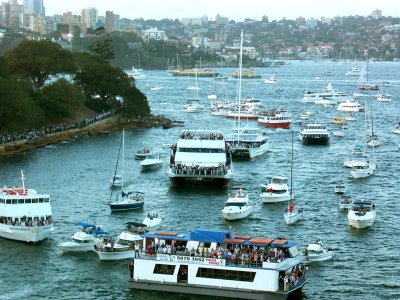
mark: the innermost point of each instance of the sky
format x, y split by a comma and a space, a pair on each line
236, 10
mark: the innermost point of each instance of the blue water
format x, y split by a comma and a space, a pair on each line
77, 176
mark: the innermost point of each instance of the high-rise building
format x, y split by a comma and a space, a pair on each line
89, 17
109, 21
11, 14
34, 7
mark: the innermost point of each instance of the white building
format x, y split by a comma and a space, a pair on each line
154, 34
89, 17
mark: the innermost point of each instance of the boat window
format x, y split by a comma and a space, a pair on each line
46, 200
164, 269
21, 201
2, 201
34, 200
28, 200
14, 201
226, 274
40, 200
8, 201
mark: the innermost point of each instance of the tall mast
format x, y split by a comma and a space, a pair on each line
240, 78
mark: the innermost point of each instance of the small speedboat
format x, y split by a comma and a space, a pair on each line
152, 161
315, 252
122, 248
142, 153
152, 220
83, 240
345, 203
340, 188
362, 214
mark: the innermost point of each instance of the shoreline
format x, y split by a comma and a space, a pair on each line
105, 126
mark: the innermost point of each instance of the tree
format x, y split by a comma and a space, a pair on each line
17, 110
35, 61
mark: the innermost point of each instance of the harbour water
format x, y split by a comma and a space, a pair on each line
77, 175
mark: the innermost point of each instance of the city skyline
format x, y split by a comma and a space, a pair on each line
255, 9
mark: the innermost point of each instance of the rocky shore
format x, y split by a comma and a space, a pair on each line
105, 126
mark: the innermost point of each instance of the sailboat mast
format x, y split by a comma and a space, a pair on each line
240, 78
291, 171
123, 158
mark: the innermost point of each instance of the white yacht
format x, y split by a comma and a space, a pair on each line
362, 214
276, 191
355, 71
316, 252
247, 142
357, 154
314, 134
362, 168
384, 98
84, 239
152, 161
328, 93
200, 156
218, 263
350, 106
25, 215
237, 206
122, 248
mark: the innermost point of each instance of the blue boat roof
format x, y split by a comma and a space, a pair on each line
216, 236
99, 232
84, 224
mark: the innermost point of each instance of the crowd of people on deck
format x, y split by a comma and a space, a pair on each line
28, 222
189, 135
199, 170
29, 134
293, 278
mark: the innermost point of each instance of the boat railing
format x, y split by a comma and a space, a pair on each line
199, 170
25, 222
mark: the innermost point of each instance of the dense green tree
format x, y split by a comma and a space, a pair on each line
17, 110
35, 61
59, 99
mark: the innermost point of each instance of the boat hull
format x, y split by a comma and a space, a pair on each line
193, 289
274, 198
291, 218
76, 247
359, 224
308, 140
121, 207
284, 125
105, 255
231, 215
317, 258
26, 233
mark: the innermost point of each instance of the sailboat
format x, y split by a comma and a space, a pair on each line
292, 213
373, 140
116, 180
365, 86
245, 141
361, 166
128, 200
193, 105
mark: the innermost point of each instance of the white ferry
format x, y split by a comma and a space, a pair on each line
200, 155
219, 263
25, 215
315, 134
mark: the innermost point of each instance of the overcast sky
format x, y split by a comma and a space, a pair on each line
236, 10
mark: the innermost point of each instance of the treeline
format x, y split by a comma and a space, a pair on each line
42, 84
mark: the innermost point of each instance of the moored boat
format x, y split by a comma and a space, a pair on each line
219, 263
237, 206
275, 191
314, 134
316, 252
152, 161
277, 118
25, 215
362, 214
340, 188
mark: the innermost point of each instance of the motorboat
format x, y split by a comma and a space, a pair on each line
397, 129
357, 153
338, 121
152, 161
200, 156
156, 88
362, 214
248, 142
275, 191
84, 239
340, 188
237, 206
116, 180
316, 252
327, 95
122, 248
193, 270
384, 98
142, 153
362, 168
350, 106
25, 215
277, 118
152, 220
314, 134
350, 117
271, 79
292, 214
345, 203
355, 71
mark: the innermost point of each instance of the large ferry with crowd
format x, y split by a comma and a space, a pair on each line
25, 215
219, 263
200, 156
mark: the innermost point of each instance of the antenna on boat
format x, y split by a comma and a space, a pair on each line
23, 181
